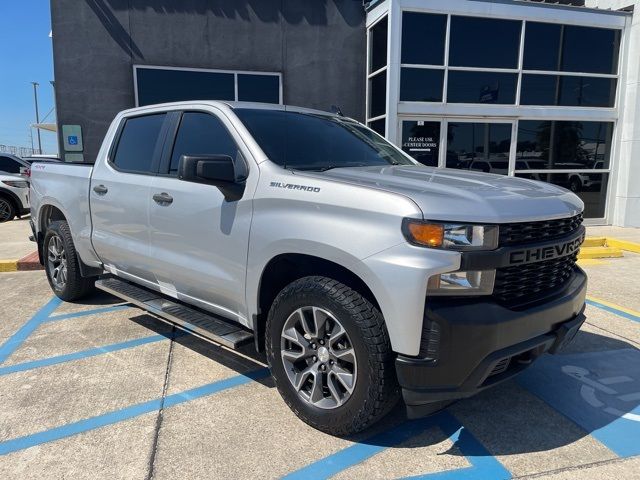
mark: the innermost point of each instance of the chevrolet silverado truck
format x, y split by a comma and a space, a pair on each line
363, 275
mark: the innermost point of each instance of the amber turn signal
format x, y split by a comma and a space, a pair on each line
427, 234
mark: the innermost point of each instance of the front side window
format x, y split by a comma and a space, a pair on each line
201, 134
137, 143
308, 141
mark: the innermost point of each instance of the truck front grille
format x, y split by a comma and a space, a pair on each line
523, 282
531, 232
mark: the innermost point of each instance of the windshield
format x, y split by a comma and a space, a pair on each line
305, 141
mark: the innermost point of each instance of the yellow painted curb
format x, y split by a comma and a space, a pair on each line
600, 252
8, 265
588, 262
594, 242
624, 245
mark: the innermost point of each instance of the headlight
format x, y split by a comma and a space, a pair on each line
16, 183
473, 282
451, 236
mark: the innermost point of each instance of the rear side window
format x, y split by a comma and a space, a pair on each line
201, 134
9, 165
137, 144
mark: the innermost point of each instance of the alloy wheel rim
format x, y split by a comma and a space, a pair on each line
57, 262
318, 357
5, 211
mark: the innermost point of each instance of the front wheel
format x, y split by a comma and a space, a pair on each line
62, 264
330, 356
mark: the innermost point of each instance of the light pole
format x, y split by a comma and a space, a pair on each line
35, 98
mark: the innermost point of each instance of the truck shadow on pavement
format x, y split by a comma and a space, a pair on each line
591, 389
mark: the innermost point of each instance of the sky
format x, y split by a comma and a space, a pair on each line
25, 56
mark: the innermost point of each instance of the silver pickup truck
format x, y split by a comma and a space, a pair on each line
363, 275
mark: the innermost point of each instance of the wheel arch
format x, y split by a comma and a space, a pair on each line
285, 268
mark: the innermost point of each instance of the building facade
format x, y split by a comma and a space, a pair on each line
517, 88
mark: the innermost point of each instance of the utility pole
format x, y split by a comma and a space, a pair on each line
35, 98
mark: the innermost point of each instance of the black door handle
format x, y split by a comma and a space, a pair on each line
163, 199
100, 189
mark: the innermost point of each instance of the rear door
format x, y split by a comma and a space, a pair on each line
120, 194
199, 239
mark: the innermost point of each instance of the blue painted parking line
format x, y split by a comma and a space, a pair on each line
84, 313
91, 352
615, 309
599, 391
127, 413
12, 344
483, 464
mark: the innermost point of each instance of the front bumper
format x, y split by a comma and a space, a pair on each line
483, 343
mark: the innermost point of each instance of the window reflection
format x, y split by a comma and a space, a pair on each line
481, 87
479, 146
569, 91
564, 145
378, 45
423, 38
590, 187
484, 42
571, 48
421, 85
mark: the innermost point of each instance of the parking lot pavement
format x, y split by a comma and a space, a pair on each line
100, 389
14, 243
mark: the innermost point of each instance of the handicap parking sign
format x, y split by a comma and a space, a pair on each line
72, 139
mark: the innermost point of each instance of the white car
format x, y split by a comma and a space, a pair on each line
14, 196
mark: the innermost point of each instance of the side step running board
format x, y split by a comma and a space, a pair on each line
206, 325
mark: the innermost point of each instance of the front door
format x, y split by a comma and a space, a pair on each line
199, 238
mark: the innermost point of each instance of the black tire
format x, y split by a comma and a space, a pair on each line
376, 388
75, 286
575, 185
7, 209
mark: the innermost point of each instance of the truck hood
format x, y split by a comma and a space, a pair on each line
462, 195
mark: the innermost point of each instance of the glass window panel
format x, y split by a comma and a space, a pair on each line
421, 140
590, 187
481, 87
563, 145
377, 94
201, 134
541, 45
571, 48
421, 85
587, 49
378, 48
159, 86
423, 38
479, 146
569, 91
484, 42
378, 126
9, 165
137, 143
259, 88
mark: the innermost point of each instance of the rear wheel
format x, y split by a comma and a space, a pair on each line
62, 264
7, 210
330, 355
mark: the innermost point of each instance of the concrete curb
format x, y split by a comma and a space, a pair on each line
606, 247
27, 263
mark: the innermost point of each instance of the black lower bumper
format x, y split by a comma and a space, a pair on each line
483, 343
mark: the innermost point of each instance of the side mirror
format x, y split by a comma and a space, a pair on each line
215, 170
